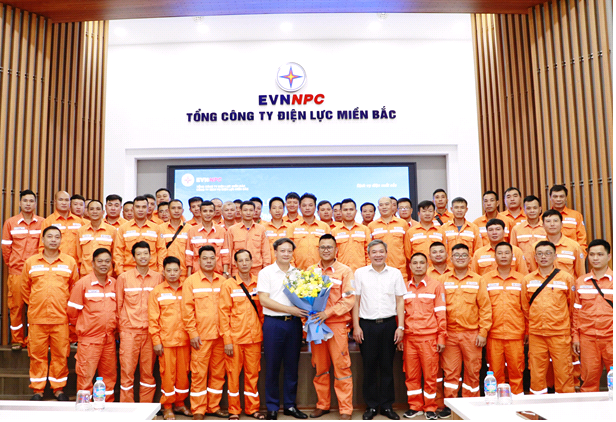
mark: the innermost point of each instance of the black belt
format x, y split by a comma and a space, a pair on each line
282, 317
379, 320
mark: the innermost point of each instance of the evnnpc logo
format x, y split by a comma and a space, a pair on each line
291, 77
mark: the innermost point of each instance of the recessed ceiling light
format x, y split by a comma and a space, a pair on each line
286, 27
374, 26
120, 32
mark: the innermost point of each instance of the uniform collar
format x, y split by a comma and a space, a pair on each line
423, 281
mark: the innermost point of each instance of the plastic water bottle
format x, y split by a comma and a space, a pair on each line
610, 383
98, 395
489, 388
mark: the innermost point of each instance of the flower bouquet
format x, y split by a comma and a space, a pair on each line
309, 290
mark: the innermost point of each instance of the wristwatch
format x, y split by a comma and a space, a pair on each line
401, 328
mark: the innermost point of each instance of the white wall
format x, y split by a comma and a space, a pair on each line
430, 84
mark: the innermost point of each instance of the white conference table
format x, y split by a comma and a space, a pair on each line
562, 407
13, 410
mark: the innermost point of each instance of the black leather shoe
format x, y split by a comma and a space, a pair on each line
369, 414
273, 415
292, 411
390, 414
36, 397
62, 397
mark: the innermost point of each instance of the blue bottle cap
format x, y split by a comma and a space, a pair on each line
99, 378
490, 373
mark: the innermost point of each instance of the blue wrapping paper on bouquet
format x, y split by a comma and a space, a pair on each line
315, 332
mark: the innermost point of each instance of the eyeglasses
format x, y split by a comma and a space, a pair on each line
404, 209
460, 255
326, 248
546, 254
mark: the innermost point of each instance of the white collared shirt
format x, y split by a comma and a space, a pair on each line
378, 291
271, 280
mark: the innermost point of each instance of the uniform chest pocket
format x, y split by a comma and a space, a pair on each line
469, 296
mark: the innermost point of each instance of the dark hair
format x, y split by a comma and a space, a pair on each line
247, 203
459, 246
426, 204
194, 199
26, 192
490, 192
323, 202
140, 198
405, 200
256, 199
149, 196
495, 222
171, 259
419, 254
207, 203
113, 197
282, 240
92, 201
545, 243
600, 242
459, 200
241, 251
504, 244
559, 188
163, 189
142, 244
100, 251
393, 198
162, 204
238, 201
337, 203
309, 196
348, 201
292, 195
205, 248
439, 190
51, 228
367, 203
129, 203
327, 236
531, 198
274, 199
176, 200
438, 244
550, 213
513, 189
77, 196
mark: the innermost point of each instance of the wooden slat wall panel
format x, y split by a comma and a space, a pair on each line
544, 99
44, 69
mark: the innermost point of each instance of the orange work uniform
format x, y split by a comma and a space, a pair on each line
274, 233
484, 260
90, 240
435, 274
68, 227
335, 350
524, 236
20, 241
130, 233
253, 239
569, 257
573, 226
425, 326
241, 326
483, 220
469, 313
505, 347
178, 246
467, 235
166, 327
45, 288
155, 218
198, 236
392, 234
549, 330
418, 239
306, 238
117, 223
515, 220
132, 293
593, 327
92, 308
445, 217
200, 298
352, 245
290, 220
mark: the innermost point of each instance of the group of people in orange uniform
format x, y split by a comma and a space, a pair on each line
206, 296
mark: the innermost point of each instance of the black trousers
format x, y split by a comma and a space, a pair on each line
377, 352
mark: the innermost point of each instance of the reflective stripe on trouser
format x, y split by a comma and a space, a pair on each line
540, 350
440, 396
460, 347
55, 338
510, 352
208, 376
136, 348
247, 357
91, 357
595, 353
16, 308
420, 356
336, 351
174, 366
